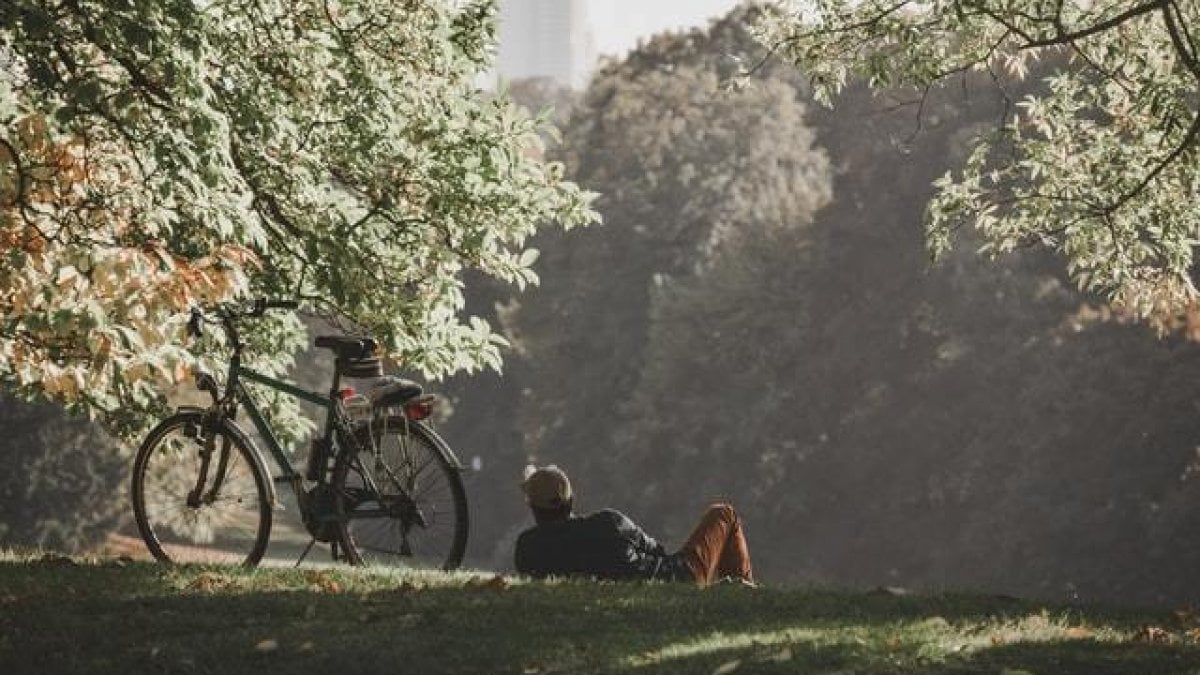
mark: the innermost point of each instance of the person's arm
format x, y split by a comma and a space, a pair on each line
636, 535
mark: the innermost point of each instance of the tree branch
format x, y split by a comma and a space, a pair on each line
1188, 139
1061, 38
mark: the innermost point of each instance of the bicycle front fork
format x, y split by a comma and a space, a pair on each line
197, 497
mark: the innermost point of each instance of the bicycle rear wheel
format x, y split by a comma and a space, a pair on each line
400, 498
190, 510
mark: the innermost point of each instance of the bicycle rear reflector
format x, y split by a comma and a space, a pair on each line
419, 409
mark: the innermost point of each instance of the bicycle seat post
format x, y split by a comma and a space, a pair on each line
235, 359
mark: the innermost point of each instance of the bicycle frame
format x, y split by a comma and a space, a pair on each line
236, 394
336, 426
246, 401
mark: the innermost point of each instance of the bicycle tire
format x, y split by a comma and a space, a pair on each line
231, 526
369, 538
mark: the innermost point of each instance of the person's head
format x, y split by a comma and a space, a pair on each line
548, 493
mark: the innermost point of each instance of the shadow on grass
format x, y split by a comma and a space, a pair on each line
1082, 656
144, 618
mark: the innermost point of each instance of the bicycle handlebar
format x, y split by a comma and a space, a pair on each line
279, 304
228, 312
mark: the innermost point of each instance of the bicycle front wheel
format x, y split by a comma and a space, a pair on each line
199, 496
400, 498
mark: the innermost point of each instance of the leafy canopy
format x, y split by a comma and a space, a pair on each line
1099, 163
154, 155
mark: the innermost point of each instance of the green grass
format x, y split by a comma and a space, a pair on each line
95, 616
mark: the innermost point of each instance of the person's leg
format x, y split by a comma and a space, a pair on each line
717, 547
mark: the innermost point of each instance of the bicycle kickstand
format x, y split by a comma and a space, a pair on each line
306, 550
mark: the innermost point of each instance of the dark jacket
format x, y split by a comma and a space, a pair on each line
605, 544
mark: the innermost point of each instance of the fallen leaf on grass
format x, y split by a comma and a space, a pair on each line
781, 656
266, 646
936, 623
496, 583
727, 667
1077, 633
1194, 634
892, 644
1014, 671
208, 582
322, 581
1038, 621
1152, 634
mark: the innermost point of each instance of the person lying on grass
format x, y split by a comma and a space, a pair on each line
608, 545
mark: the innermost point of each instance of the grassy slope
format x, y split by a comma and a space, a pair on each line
95, 617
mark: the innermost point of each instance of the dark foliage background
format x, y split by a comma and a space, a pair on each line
63, 483
974, 424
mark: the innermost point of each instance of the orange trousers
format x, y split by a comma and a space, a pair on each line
717, 547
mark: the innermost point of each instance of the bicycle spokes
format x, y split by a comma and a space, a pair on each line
194, 509
402, 501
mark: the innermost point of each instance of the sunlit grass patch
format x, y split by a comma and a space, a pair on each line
20, 555
725, 642
332, 578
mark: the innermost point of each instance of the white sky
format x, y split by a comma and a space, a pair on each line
617, 24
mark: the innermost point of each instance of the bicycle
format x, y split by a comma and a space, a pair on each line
383, 487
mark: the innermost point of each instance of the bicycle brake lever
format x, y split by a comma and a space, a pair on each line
195, 324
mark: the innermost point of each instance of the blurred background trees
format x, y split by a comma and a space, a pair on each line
63, 485
785, 344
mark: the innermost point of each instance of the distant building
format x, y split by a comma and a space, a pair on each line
546, 38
